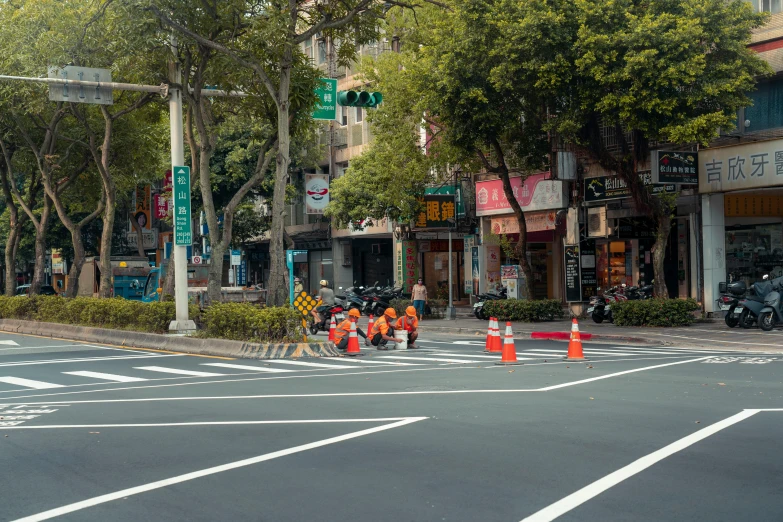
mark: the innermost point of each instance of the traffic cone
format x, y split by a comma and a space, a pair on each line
370, 325
497, 344
575, 344
353, 342
509, 352
490, 336
332, 330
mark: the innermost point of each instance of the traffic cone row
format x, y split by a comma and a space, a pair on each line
575, 344
508, 355
353, 342
332, 330
493, 344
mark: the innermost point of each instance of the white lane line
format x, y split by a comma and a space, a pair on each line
590, 491
436, 359
64, 361
302, 363
712, 340
482, 356
205, 423
246, 367
9, 343
635, 370
106, 376
319, 375
77, 506
385, 363
28, 383
666, 349
177, 371
586, 350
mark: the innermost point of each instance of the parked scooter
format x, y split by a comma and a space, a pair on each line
772, 313
731, 294
478, 308
749, 308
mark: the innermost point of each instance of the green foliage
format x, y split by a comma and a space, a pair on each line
524, 310
437, 307
245, 322
655, 312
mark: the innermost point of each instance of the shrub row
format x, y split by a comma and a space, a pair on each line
524, 310
235, 321
655, 312
245, 322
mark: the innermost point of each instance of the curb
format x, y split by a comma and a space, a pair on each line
190, 345
555, 336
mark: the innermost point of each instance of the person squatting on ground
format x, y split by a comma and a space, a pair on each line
342, 333
419, 297
382, 331
409, 323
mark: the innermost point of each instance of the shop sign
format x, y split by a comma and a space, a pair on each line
162, 205
636, 228
746, 205
450, 189
534, 222
58, 263
407, 268
316, 193
475, 269
589, 277
365, 227
741, 167
536, 192
603, 188
141, 202
675, 167
149, 239
573, 279
438, 211
467, 252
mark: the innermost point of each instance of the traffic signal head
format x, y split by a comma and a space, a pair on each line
359, 98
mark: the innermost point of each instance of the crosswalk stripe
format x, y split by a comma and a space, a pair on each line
553, 353
302, 363
11, 343
178, 371
106, 376
29, 383
437, 359
251, 368
644, 351
386, 363
449, 354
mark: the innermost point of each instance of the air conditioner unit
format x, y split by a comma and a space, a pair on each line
376, 249
596, 222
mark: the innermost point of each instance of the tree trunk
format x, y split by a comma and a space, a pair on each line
664, 220
168, 282
72, 289
109, 213
40, 247
11, 245
139, 235
278, 291
521, 248
215, 282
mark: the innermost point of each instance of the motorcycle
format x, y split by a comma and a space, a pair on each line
478, 308
749, 308
772, 313
600, 308
731, 294
326, 312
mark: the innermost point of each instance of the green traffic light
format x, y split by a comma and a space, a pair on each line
359, 98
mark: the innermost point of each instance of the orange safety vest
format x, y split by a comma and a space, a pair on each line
342, 330
380, 326
403, 323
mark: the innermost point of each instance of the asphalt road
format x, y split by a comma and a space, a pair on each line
95, 433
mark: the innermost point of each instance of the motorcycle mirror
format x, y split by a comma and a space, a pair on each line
766, 276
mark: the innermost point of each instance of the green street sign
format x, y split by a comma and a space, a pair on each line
326, 108
183, 233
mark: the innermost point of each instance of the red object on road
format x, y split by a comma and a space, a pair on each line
575, 344
508, 356
333, 330
488, 343
558, 336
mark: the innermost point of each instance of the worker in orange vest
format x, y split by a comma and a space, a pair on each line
383, 331
343, 330
409, 323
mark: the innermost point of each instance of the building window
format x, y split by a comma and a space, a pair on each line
359, 114
767, 6
343, 115
321, 51
767, 109
309, 48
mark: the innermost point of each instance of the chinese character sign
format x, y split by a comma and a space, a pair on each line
407, 264
437, 211
326, 108
675, 167
742, 167
161, 205
142, 214
183, 233
535, 192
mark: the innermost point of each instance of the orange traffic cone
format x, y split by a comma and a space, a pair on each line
575, 344
509, 353
497, 344
370, 325
353, 342
490, 336
332, 329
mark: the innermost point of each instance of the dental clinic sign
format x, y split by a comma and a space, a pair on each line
316, 193
741, 167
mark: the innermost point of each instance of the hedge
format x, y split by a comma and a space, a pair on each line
524, 310
655, 312
246, 322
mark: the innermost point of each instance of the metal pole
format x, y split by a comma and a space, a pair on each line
180, 253
451, 313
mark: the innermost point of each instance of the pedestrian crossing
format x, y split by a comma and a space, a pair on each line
429, 353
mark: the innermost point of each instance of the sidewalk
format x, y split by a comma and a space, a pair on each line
706, 334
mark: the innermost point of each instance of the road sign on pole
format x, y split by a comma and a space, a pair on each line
326, 108
183, 232
100, 94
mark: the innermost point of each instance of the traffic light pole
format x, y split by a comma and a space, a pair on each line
182, 323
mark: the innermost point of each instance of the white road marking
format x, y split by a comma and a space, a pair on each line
77, 506
106, 376
436, 359
28, 383
9, 343
712, 340
646, 351
585, 349
63, 361
161, 369
206, 423
246, 367
385, 363
332, 375
590, 491
302, 363
452, 354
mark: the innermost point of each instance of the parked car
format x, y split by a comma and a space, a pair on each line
45, 290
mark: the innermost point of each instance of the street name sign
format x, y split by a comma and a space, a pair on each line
326, 108
183, 231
